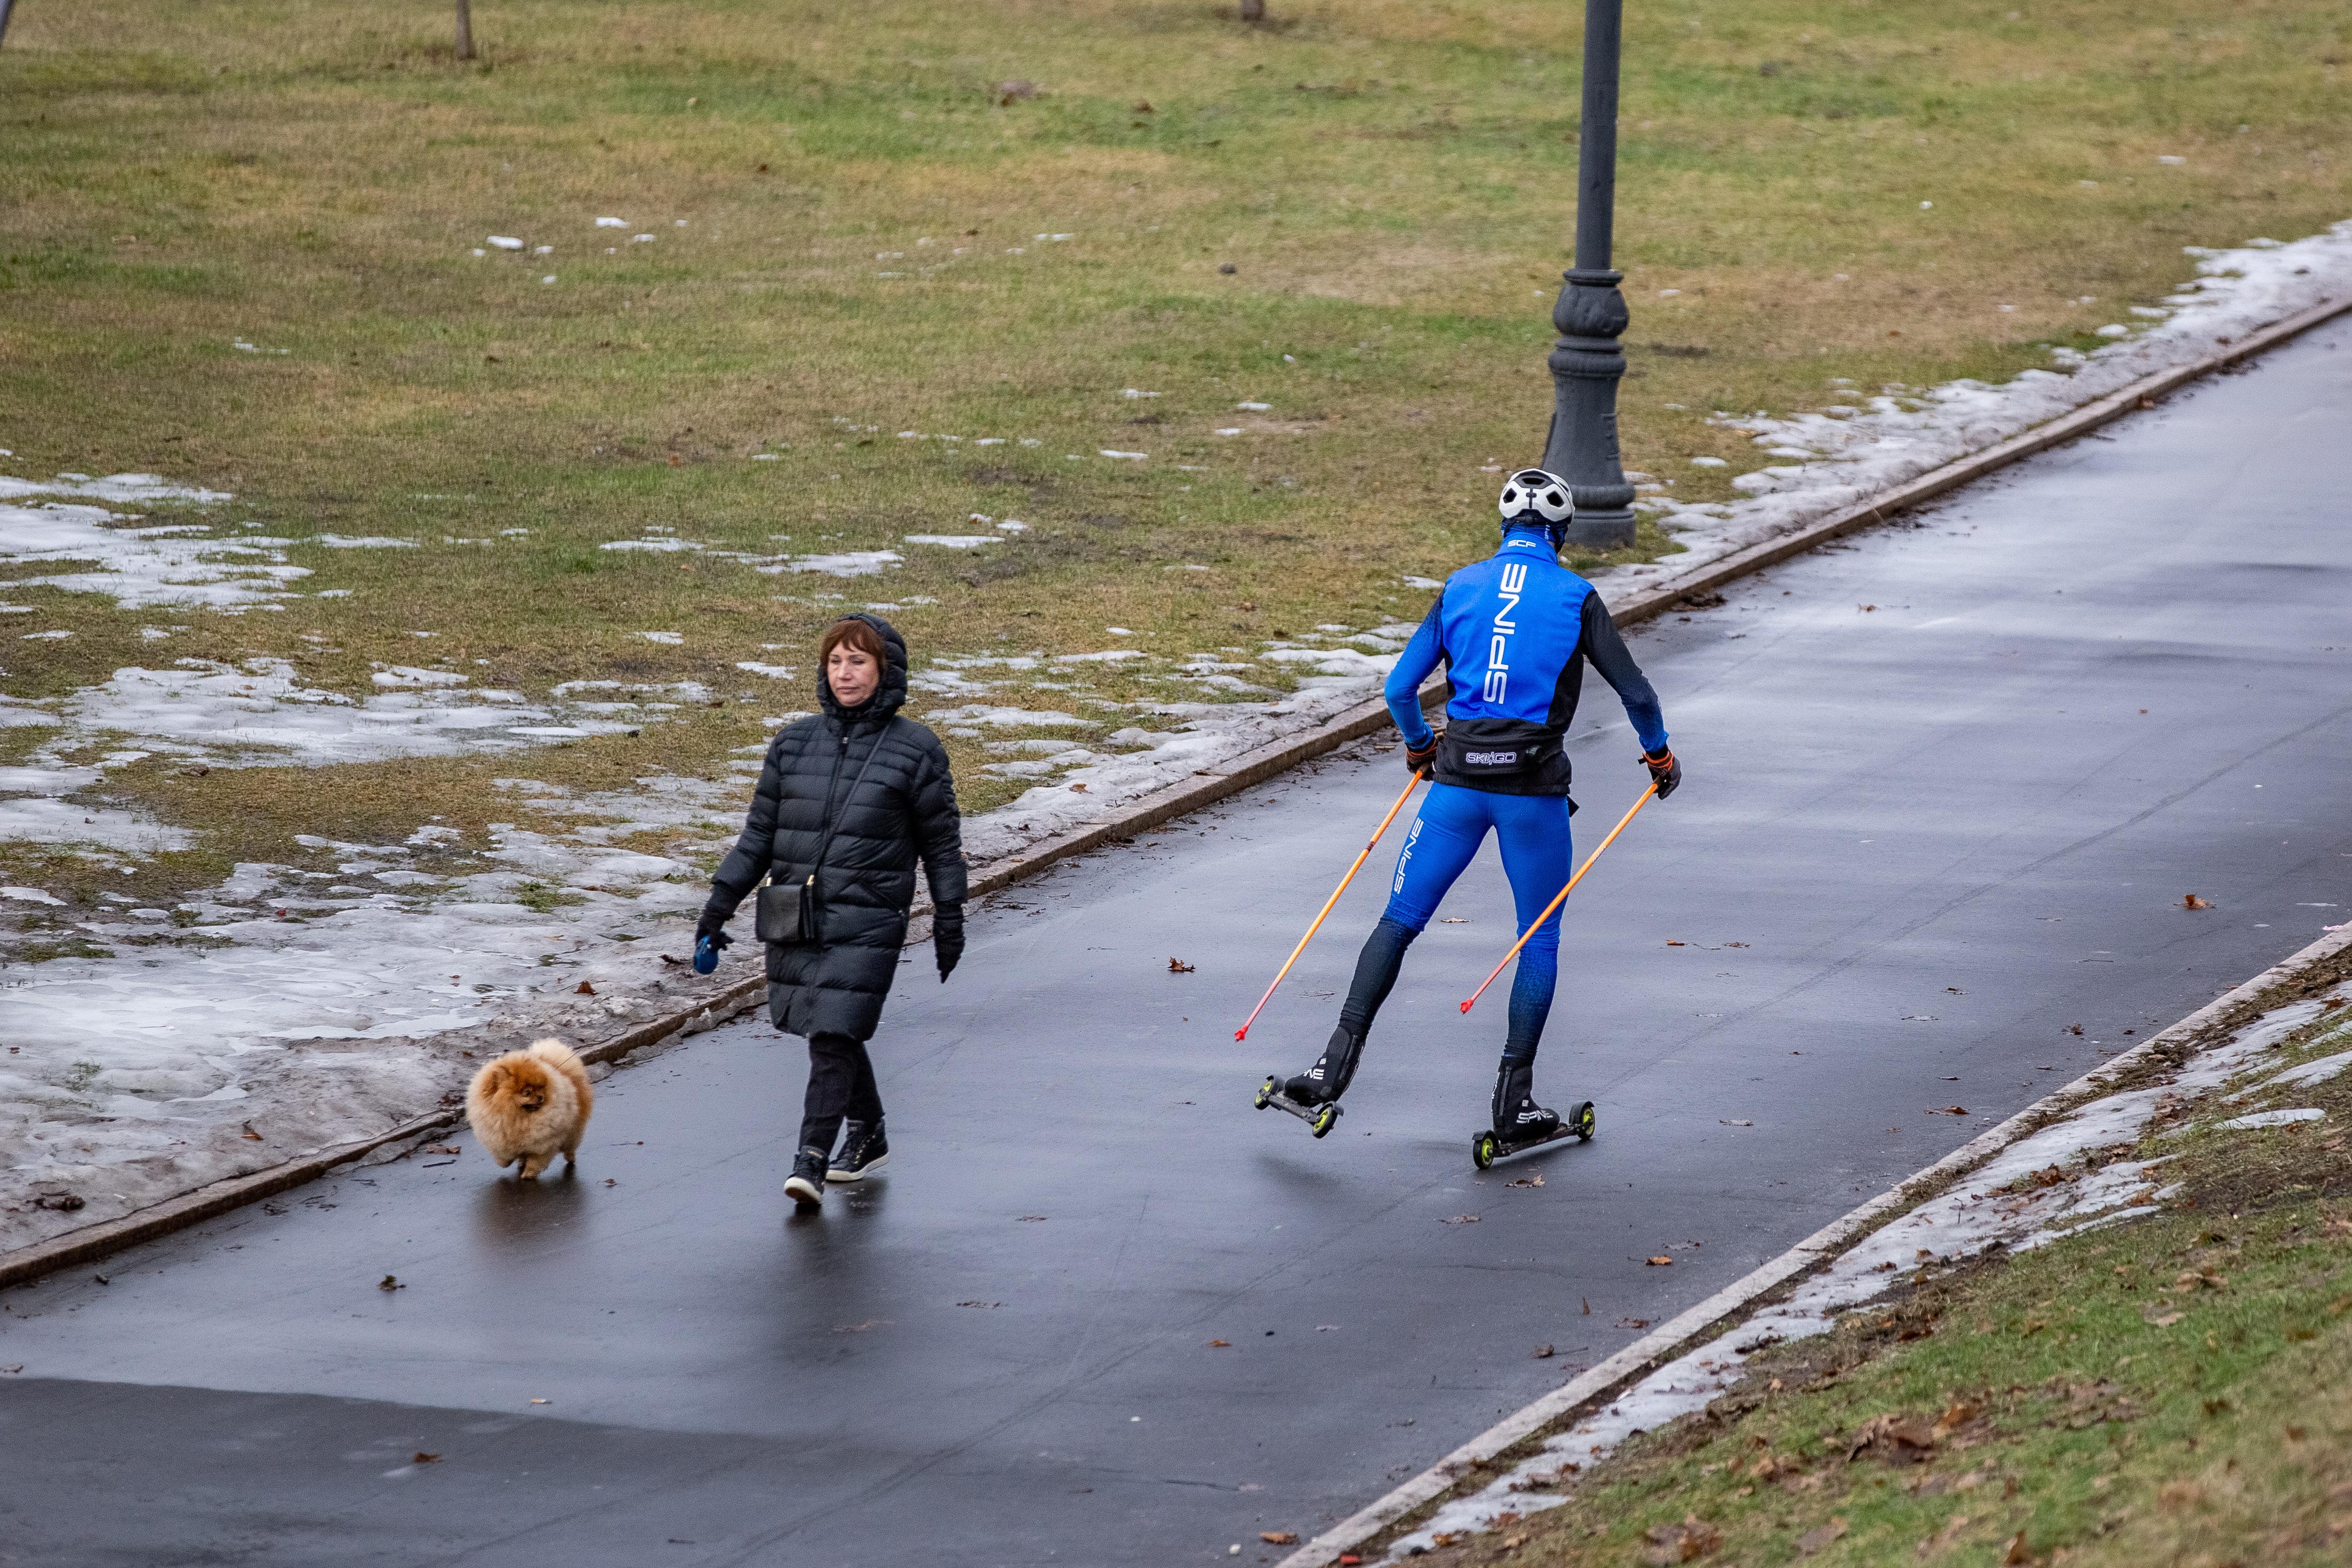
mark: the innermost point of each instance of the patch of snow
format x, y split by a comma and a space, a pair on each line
183, 1047
262, 711
663, 544
1903, 434
956, 541
848, 563
175, 563
1975, 1214
2273, 1119
30, 895
408, 675
669, 639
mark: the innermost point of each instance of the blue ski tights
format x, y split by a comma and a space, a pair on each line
1534, 833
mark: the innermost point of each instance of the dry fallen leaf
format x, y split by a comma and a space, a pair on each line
1178, 966
2190, 900
2017, 1557
539, 1402
2165, 1320
1278, 1537
584, 990
1673, 944
1949, 1110
440, 1148
1526, 1181
1077, 788
1220, 1344
1660, 1261
250, 1134
422, 1458
390, 1283
1543, 1352
1462, 1219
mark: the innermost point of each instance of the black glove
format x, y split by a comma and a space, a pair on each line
1665, 772
947, 938
1419, 760
713, 926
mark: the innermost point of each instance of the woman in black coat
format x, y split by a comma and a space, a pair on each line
882, 783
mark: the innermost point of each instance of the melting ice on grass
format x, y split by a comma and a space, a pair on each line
1860, 450
261, 711
1974, 1214
258, 1023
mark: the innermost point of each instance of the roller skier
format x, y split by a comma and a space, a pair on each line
1516, 631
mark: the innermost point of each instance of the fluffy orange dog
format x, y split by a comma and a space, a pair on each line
531, 1105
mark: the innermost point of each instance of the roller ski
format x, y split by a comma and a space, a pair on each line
1519, 1123
1313, 1096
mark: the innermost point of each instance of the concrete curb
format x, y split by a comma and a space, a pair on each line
1250, 768
1725, 1307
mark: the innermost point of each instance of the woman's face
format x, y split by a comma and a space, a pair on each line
852, 673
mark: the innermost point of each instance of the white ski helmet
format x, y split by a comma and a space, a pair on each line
1537, 491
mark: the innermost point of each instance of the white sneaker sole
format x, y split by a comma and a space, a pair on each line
800, 1189
843, 1177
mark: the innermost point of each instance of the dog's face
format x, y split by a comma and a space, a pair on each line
523, 1086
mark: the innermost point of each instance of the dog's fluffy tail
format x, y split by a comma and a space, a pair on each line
556, 1054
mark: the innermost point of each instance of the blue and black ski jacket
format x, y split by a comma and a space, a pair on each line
1515, 631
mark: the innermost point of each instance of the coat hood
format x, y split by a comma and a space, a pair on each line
890, 697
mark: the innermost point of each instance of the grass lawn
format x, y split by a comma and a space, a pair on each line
241, 250
2171, 1393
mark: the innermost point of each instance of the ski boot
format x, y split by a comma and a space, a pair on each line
1313, 1096
1520, 1123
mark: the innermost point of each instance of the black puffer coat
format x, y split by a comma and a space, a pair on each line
904, 809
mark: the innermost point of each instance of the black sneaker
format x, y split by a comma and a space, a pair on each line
805, 1186
864, 1150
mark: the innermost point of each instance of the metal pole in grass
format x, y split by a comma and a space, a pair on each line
4, 18
1587, 362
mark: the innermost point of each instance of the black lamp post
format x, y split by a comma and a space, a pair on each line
1587, 362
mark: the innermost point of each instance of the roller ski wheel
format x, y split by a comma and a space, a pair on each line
1487, 1147
1319, 1119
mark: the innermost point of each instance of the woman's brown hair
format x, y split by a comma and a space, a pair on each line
859, 634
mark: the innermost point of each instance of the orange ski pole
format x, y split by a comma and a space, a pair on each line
1411, 785
1648, 794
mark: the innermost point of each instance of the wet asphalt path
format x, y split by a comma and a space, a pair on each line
1944, 830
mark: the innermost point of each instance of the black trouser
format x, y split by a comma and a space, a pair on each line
841, 1083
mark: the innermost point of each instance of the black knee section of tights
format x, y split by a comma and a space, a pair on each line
1376, 975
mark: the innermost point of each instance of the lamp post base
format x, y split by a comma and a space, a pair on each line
1587, 364
1600, 530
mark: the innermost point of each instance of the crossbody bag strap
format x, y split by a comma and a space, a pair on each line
832, 818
